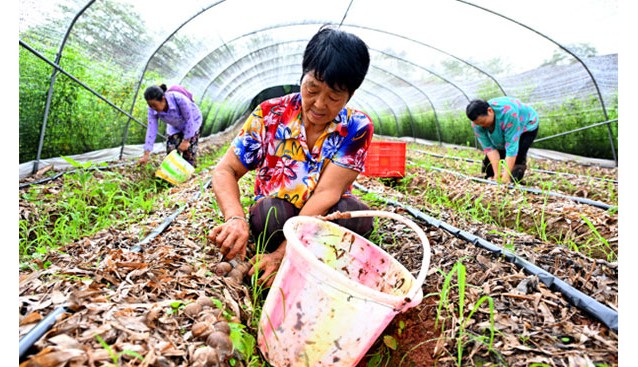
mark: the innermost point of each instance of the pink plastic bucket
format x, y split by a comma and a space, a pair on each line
334, 294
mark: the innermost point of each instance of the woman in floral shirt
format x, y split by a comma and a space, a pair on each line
506, 128
307, 149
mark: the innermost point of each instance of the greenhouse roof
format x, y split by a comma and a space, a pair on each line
428, 60
433, 54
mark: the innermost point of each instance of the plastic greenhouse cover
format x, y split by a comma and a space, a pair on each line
218, 41
426, 56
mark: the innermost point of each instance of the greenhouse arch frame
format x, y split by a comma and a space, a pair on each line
419, 77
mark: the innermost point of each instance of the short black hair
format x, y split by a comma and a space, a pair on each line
476, 108
338, 58
155, 92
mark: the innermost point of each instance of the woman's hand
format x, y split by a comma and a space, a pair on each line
268, 265
144, 158
505, 178
183, 145
231, 238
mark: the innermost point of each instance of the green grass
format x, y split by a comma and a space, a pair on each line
116, 357
89, 201
85, 204
448, 310
510, 209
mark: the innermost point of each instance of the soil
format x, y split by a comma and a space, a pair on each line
134, 301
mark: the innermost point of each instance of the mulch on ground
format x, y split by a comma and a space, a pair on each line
136, 301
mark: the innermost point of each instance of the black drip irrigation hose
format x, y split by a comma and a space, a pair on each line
577, 199
604, 314
47, 179
27, 341
531, 169
159, 229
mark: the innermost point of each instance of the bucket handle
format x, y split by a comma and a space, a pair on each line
408, 302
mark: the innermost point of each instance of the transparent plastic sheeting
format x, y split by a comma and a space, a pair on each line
208, 44
426, 56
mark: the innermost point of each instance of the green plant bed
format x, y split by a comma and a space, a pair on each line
85, 201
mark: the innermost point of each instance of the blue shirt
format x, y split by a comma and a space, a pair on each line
511, 119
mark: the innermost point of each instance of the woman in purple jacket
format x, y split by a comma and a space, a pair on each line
183, 119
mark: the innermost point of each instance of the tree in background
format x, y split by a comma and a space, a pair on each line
560, 57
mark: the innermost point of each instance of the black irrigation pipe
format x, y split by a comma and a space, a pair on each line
39, 330
604, 314
577, 199
27, 341
531, 169
159, 229
58, 175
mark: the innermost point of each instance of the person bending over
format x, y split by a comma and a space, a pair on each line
506, 128
183, 119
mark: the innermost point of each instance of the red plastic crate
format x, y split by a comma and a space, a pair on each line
385, 159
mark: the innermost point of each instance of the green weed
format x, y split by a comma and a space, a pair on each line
602, 242
115, 357
87, 203
463, 337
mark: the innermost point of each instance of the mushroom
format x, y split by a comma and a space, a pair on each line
192, 309
205, 301
221, 342
236, 275
223, 268
222, 326
201, 329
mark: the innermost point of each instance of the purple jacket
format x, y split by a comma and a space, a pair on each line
183, 115
182, 90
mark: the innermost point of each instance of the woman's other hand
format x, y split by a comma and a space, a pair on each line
268, 265
183, 145
144, 158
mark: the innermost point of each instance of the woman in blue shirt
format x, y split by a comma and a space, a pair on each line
506, 128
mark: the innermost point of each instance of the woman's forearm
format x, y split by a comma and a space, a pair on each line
320, 202
226, 189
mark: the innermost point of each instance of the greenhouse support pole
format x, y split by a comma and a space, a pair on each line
438, 50
86, 87
379, 117
409, 112
436, 119
217, 109
580, 129
365, 107
384, 32
47, 107
396, 117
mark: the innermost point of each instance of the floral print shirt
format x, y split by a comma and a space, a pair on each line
273, 142
511, 119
